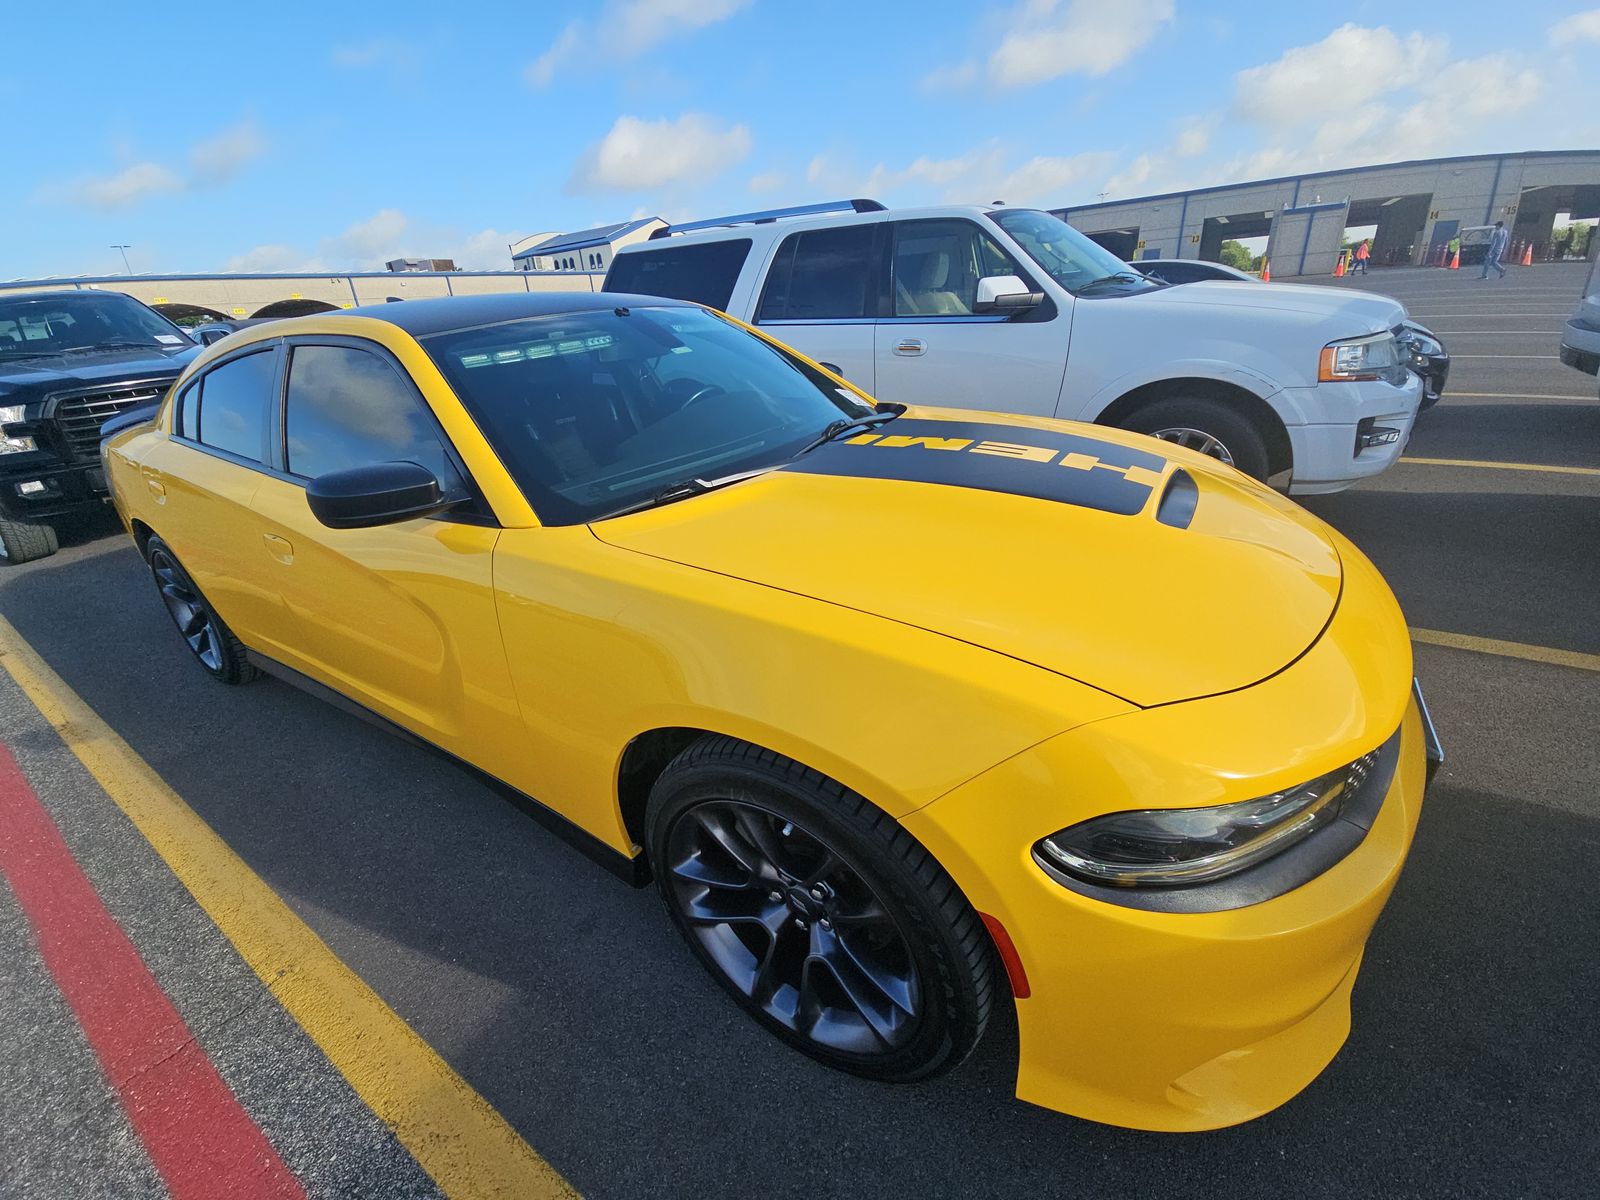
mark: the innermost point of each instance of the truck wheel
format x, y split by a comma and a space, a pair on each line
22, 542
827, 921
211, 642
1212, 427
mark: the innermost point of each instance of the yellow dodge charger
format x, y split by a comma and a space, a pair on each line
905, 711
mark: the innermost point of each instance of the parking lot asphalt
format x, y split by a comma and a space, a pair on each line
568, 1002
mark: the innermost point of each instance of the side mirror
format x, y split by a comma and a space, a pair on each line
210, 336
1005, 293
376, 494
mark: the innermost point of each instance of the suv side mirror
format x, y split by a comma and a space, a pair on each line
1005, 293
211, 336
376, 494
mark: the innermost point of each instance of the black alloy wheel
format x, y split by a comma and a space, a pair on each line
823, 917
793, 927
211, 642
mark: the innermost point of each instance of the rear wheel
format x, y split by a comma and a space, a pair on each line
23, 541
1208, 426
828, 923
209, 640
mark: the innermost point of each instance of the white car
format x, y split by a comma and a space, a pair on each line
1580, 341
1012, 310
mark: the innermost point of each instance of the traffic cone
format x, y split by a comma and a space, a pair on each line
1527, 255
1455, 261
1338, 266
1266, 270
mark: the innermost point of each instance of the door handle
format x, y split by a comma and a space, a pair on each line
910, 347
280, 548
152, 481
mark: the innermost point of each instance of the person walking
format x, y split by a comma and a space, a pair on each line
1363, 253
1497, 247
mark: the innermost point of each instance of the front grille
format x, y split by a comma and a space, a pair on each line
80, 417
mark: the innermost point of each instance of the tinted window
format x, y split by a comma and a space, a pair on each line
593, 412
233, 404
820, 275
937, 265
704, 273
348, 408
185, 422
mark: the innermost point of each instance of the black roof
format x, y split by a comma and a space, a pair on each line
420, 318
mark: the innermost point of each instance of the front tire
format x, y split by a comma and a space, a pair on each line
825, 920
1210, 426
210, 641
23, 541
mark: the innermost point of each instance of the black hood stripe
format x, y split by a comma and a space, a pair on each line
1043, 464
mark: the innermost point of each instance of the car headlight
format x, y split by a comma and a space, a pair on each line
1169, 847
10, 413
1372, 357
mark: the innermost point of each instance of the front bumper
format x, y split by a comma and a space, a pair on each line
64, 488
1195, 1020
1324, 446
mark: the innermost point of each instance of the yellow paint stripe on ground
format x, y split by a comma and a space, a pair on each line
1499, 466
452, 1132
1481, 645
1523, 396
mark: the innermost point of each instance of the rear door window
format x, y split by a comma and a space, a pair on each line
233, 404
703, 273
822, 275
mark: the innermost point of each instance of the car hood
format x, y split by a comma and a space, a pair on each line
1138, 568
65, 372
1367, 311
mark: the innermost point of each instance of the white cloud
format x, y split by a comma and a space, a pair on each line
942, 80
1047, 39
271, 259
378, 52
372, 242
217, 160
638, 154
768, 181
979, 176
121, 190
628, 29
1350, 67
1579, 27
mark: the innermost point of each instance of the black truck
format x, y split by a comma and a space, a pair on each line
69, 362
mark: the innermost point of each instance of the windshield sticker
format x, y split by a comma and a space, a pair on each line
169, 339
1043, 464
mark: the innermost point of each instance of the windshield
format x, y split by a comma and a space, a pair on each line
1068, 257
68, 324
594, 412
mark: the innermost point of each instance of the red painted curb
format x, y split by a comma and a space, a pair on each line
197, 1134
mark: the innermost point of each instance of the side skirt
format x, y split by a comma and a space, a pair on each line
633, 871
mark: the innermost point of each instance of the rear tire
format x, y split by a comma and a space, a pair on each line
1190, 420
210, 641
23, 541
820, 915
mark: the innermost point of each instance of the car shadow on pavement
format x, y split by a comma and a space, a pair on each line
568, 1001
1523, 566
1566, 435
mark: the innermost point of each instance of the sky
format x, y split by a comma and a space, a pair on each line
299, 136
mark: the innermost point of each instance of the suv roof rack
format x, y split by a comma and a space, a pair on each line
771, 214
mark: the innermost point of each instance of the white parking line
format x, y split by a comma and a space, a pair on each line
1455, 395
1540, 357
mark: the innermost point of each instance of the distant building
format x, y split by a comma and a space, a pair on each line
522, 245
421, 264
588, 250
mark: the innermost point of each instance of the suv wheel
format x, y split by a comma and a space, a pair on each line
1211, 427
827, 921
21, 541
211, 642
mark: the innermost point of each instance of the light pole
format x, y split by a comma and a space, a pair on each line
124, 247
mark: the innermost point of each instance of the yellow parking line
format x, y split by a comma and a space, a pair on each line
454, 1134
1523, 396
1480, 645
1500, 466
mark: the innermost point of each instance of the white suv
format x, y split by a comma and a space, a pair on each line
1012, 310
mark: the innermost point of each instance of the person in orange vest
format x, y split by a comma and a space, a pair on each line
1363, 252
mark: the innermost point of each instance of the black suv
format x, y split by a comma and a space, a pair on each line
69, 362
